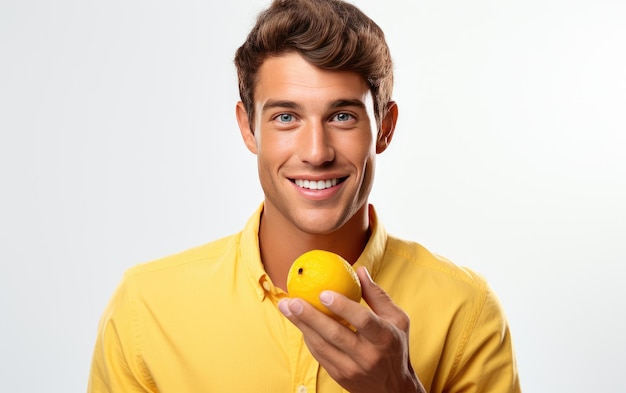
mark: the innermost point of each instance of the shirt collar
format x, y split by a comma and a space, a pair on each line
371, 257
250, 254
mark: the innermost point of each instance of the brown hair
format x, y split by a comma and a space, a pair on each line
329, 34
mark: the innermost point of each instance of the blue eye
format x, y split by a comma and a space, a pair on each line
343, 117
285, 117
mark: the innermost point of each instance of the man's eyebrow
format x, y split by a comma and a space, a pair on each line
341, 103
347, 102
271, 104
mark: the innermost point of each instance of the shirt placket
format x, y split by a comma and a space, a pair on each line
303, 363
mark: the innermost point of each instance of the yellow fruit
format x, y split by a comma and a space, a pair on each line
318, 270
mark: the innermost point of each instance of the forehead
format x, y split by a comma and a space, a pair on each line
291, 76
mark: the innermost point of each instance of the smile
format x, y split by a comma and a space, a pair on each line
318, 184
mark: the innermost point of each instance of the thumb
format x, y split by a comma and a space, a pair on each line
380, 302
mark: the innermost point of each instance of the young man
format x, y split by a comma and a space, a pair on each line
315, 79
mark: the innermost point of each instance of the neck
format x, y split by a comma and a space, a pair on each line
281, 243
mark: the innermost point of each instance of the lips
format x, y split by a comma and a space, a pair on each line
318, 184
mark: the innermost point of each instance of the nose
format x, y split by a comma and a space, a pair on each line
315, 144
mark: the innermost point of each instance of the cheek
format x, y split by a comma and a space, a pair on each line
274, 150
273, 141
361, 152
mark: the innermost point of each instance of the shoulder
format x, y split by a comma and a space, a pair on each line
192, 263
427, 267
427, 285
196, 255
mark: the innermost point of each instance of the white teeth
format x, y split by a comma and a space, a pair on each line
316, 185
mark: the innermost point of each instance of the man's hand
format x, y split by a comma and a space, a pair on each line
374, 357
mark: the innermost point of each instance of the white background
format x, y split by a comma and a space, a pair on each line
119, 145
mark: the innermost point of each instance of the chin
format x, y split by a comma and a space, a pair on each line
321, 225
317, 229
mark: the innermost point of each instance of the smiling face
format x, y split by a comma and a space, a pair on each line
315, 139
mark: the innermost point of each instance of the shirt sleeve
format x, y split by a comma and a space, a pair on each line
115, 363
487, 360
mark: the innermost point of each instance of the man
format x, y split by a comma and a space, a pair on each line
315, 79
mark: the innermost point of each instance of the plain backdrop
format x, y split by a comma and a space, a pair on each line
119, 145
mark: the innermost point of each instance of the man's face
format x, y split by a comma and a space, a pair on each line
315, 140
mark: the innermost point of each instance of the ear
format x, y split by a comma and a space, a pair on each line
387, 127
244, 127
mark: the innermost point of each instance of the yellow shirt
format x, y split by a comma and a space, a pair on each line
206, 320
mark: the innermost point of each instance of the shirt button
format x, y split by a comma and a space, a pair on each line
267, 285
301, 389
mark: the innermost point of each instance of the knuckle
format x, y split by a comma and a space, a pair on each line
371, 362
369, 322
317, 346
387, 336
402, 321
349, 372
336, 334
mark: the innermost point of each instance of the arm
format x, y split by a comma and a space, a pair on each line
112, 367
487, 359
374, 357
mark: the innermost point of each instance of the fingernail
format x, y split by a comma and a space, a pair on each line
367, 273
326, 298
283, 306
295, 306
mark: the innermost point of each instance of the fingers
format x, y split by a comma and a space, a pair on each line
361, 320
367, 323
374, 350
325, 337
308, 319
357, 359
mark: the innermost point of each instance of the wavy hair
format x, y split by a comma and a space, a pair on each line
329, 34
